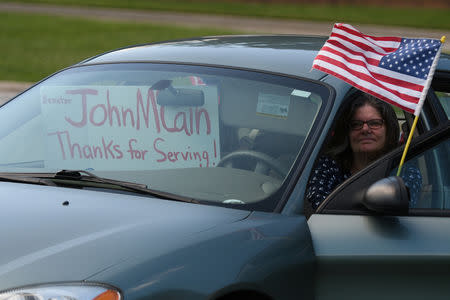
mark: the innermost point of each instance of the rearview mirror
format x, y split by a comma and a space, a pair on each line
170, 96
387, 196
180, 97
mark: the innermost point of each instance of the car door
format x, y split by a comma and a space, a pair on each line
365, 255
362, 255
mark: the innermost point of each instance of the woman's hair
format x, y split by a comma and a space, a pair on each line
340, 149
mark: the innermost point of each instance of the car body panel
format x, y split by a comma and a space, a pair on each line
244, 255
117, 240
407, 256
86, 235
293, 54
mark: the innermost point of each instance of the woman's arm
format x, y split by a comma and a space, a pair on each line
325, 177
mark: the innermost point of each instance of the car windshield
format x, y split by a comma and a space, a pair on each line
219, 135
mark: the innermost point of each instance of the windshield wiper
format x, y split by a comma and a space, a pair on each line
86, 176
82, 177
25, 178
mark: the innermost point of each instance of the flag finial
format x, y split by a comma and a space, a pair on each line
443, 38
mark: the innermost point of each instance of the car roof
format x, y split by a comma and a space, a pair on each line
287, 54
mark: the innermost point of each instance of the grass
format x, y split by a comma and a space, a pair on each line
417, 17
34, 46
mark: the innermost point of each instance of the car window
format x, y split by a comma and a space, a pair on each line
332, 166
214, 134
444, 98
428, 177
328, 174
425, 173
441, 89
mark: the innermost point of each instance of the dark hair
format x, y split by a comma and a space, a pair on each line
340, 149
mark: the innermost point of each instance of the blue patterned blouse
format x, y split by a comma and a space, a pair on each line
328, 175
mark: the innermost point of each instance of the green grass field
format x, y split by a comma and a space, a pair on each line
34, 46
406, 16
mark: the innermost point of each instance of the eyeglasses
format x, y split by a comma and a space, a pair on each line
373, 124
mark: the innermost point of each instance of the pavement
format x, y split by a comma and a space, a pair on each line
9, 89
246, 25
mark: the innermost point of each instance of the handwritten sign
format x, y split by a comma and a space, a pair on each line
123, 128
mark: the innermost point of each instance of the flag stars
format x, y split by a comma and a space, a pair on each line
412, 57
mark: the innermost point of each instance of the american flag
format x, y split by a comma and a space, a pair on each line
396, 70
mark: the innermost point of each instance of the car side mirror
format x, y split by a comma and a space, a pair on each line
387, 196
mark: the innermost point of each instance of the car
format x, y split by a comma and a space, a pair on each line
178, 170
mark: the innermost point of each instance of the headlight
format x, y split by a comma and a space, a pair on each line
62, 292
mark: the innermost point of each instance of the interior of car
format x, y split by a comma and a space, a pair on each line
246, 128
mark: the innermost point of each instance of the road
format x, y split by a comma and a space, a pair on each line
9, 89
242, 24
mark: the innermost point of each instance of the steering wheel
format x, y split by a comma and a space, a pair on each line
264, 163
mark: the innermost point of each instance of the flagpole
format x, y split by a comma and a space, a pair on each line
402, 161
413, 127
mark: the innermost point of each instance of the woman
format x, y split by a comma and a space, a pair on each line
368, 129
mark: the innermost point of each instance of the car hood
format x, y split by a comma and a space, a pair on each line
53, 234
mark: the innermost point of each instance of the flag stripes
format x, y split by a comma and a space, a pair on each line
370, 63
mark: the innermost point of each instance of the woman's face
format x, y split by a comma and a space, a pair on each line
367, 140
